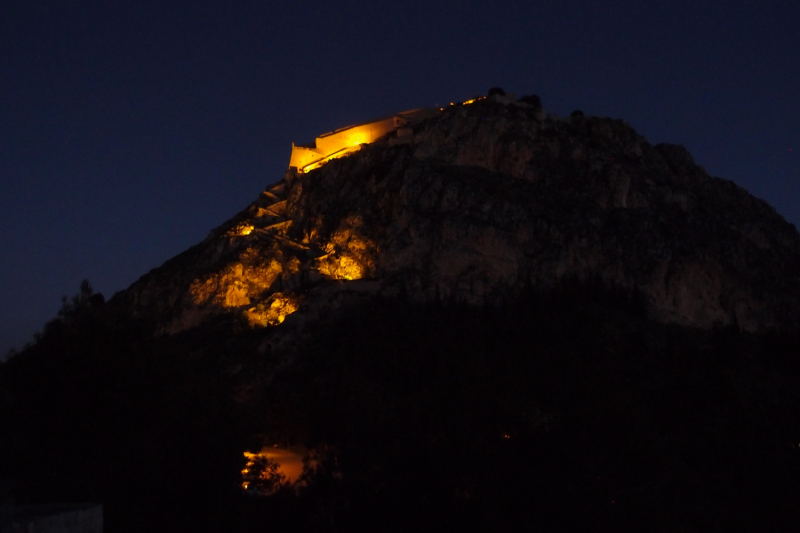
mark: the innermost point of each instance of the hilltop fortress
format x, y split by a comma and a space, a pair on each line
397, 128
345, 140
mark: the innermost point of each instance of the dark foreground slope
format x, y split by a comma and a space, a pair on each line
563, 410
569, 410
506, 321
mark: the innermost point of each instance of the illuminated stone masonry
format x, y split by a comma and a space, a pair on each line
349, 139
397, 127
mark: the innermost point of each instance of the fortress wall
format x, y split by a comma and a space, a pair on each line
364, 133
330, 143
302, 156
421, 113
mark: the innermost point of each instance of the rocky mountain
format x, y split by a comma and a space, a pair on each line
485, 200
492, 319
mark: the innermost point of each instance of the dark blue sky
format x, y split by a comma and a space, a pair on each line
130, 128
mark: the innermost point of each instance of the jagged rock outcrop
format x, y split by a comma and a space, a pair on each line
486, 200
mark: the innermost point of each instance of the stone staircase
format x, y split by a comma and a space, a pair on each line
269, 221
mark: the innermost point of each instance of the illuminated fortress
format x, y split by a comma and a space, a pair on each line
343, 141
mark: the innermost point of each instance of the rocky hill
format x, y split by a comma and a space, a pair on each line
499, 320
483, 201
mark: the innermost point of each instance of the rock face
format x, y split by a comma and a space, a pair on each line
483, 201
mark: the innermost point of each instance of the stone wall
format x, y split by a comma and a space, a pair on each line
368, 132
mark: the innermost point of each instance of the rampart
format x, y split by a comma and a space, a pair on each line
345, 140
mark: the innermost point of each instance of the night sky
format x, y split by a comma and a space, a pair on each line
129, 129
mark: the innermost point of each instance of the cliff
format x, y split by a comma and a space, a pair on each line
483, 201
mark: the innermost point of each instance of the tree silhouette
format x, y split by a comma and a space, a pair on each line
262, 476
72, 310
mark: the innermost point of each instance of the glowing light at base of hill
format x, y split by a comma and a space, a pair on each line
271, 468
